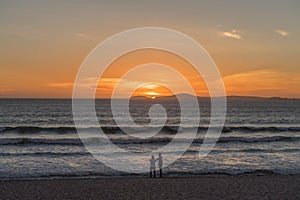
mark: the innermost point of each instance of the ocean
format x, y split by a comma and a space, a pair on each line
38, 138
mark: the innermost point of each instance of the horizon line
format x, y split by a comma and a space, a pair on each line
235, 96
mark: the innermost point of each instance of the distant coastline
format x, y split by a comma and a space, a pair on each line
230, 97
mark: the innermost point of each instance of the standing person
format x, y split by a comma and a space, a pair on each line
152, 166
160, 164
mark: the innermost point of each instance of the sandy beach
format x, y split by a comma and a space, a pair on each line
200, 187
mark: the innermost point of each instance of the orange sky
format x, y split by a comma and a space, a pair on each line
150, 74
44, 43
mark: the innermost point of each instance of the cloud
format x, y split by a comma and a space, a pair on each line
152, 93
82, 35
88, 83
6, 90
151, 86
110, 80
262, 83
123, 83
281, 32
64, 85
232, 34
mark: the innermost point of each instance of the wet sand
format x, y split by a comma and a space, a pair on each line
200, 187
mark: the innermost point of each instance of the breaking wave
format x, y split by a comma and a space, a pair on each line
116, 129
38, 141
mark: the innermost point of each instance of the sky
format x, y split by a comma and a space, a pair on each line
255, 44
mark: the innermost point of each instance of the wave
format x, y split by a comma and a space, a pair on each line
260, 129
233, 172
27, 141
257, 139
158, 141
36, 129
46, 154
63, 154
166, 129
220, 140
54, 130
289, 150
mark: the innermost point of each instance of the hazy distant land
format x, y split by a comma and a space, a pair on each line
188, 96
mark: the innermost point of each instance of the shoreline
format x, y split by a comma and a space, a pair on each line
146, 175
246, 186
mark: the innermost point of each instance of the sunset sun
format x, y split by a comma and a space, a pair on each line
152, 91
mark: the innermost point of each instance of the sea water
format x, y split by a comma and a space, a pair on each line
38, 138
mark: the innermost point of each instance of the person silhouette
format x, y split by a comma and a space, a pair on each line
152, 166
160, 164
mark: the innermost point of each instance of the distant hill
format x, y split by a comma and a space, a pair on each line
181, 96
185, 96
255, 98
172, 97
139, 98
